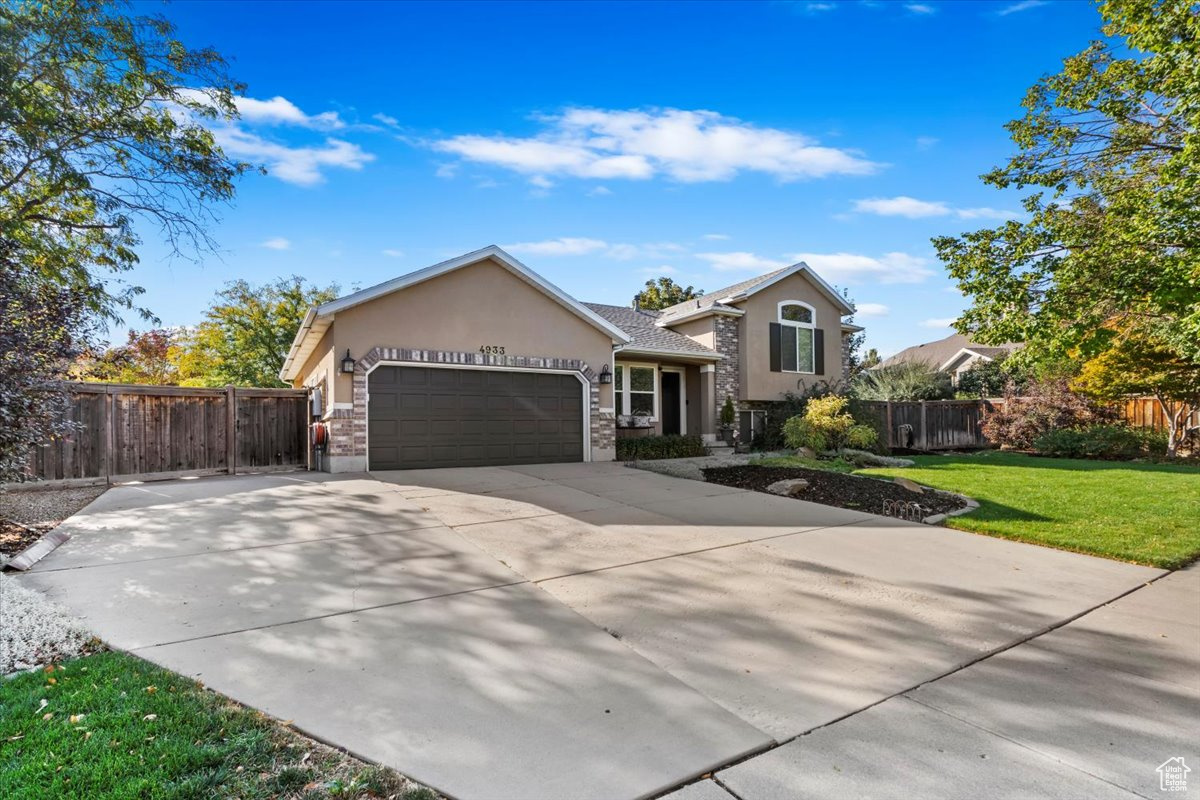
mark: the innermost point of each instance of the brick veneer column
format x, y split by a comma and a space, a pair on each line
728, 369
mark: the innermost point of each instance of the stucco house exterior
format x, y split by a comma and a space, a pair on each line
479, 361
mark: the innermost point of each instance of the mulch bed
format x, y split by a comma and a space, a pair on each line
28, 514
835, 488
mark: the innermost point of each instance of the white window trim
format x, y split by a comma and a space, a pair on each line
793, 324
683, 421
625, 387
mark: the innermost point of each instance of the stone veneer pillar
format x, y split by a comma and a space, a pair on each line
728, 369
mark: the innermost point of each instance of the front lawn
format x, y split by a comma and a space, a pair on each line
1140, 512
114, 726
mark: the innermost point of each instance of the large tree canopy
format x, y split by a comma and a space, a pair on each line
1111, 239
247, 333
102, 125
662, 293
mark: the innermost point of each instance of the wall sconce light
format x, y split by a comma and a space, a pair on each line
348, 362
605, 374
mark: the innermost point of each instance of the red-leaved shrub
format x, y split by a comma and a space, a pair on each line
1044, 407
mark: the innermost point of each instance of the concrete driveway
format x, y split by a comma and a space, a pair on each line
592, 631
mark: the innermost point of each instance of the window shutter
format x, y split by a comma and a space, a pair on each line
819, 351
775, 339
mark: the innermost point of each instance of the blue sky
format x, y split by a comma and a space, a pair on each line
606, 143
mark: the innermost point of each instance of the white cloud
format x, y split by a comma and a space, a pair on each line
1017, 8
599, 191
541, 182
393, 253
927, 142
717, 237
901, 207
920, 8
855, 267
939, 322
688, 146
277, 243
446, 170
665, 269
281, 111
871, 310
299, 165
728, 262
818, 7
912, 208
386, 119
564, 246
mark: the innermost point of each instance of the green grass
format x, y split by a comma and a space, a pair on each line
1140, 512
144, 732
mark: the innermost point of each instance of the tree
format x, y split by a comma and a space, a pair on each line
99, 131
870, 359
1137, 362
906, 381
992, 378
43, 328
663, 293
1112, 236
247, 333
148, 358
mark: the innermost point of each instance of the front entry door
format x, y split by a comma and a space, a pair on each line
671, 421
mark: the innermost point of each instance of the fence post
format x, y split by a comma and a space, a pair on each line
924, 429
106, 421
890, 438
231, 429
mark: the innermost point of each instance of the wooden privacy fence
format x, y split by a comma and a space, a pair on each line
930, 425
1145, 412
125, 432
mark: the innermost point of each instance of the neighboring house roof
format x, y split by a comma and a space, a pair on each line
721, 299
646, 336
941, 353
318, 318
968, 353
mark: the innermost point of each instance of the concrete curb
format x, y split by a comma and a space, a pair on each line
972, 504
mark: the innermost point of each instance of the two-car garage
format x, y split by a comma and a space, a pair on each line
420, 416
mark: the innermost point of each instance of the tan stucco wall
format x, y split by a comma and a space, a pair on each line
319, 365
483, 304
754, 347
691, 391
698, 330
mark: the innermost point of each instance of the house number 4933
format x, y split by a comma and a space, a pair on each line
492, 349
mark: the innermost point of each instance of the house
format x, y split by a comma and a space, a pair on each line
481, 361
955, 354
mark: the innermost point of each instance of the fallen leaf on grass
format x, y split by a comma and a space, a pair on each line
47, 715
151, 689
150, 718
74, 718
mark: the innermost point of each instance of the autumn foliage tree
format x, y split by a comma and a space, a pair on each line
1111, 238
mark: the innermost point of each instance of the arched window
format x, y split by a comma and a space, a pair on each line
797, 321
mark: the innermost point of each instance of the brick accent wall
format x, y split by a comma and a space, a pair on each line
348, 428
727, 378
845, 355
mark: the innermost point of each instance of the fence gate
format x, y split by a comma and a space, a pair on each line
125, 432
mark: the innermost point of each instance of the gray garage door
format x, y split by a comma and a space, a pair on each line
432, 417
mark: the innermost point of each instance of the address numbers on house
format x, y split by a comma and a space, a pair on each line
492, 349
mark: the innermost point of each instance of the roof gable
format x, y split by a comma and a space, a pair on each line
319, 318
723, 298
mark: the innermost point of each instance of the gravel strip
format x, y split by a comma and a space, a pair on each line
41, 506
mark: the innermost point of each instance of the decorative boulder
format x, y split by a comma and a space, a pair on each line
805, 452
789, 488
907, 484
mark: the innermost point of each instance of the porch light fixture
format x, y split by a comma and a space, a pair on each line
605, 374
348, 362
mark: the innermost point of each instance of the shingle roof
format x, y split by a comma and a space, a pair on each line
937, 353
710, 299
645, 334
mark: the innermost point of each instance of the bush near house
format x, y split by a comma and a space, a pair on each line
1110, 442
648, 448
1047, 406
907, 382
827, 424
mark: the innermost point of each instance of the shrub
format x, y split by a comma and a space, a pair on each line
647, 448
992, 379
1047, 406
909, 381
1102, 441
827, 425
727, 412
793, 404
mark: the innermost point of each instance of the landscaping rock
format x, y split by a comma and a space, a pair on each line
907, 484
794, 487
806, 452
